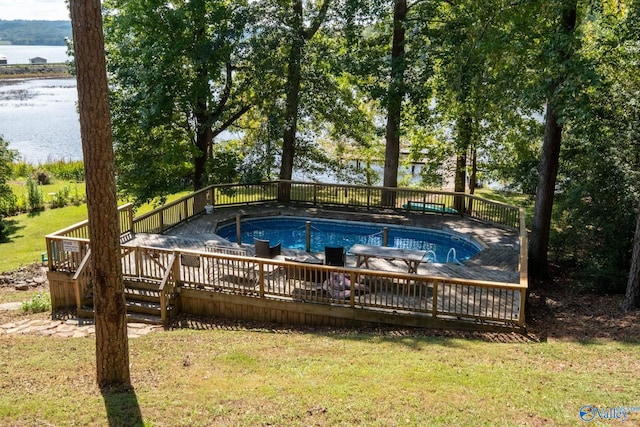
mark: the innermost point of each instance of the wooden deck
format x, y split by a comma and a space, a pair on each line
497, 262
167, 247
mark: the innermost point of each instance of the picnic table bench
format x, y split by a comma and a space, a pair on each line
411, 257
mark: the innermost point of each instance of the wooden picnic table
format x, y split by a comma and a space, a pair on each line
411, 257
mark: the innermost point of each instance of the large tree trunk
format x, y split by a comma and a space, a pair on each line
294, 77
463, 142
540, 230
301, 35
549, 163
394, 104
203, 141
632, 296
473, 179
112, 347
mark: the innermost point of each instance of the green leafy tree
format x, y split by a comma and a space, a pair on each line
626, 88
296, 27
180, 79
35, 32
588, 171
561, 45
595, 208
390, 66
476, 45
311, 115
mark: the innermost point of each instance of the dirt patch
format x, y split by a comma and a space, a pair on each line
17, 286
562, 315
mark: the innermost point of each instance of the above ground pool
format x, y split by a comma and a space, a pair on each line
291, 232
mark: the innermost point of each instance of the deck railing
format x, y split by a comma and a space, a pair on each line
320, 194
168, 287
83, 279
67, 248
439, 297
485, 301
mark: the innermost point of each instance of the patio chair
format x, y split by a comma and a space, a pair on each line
265, 250
334, 255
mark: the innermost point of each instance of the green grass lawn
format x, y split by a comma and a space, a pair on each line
27, 232
226, 376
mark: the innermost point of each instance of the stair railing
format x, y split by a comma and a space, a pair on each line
168, 285
82, 279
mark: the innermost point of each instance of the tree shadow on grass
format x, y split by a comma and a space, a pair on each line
123, 409
11, 228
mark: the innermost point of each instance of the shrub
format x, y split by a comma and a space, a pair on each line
42, 177
39, 303
9, 205
61, 198
35, 198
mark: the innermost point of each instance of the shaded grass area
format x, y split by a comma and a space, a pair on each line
269, 376
12, 295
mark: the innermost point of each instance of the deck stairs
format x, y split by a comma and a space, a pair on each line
142, 299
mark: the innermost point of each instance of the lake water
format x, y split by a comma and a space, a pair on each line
38, 117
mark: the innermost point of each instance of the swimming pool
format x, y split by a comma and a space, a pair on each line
291, 232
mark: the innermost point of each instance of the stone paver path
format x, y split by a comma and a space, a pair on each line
69, 328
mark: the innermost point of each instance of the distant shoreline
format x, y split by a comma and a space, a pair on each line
23, 71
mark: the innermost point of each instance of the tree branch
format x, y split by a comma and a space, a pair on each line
224, 126
227, 90
318, 20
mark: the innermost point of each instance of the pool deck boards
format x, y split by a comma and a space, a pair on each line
497, 262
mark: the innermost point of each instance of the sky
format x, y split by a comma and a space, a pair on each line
51, 10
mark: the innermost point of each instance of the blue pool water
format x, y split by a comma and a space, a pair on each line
291, 232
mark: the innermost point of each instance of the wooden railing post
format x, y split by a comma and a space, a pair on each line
352, 294
434, 302
261, 284
161, 220
239, 229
